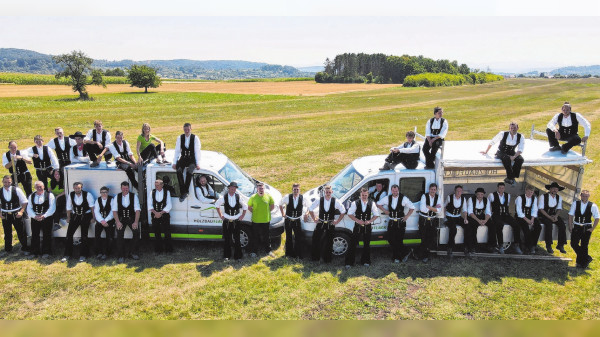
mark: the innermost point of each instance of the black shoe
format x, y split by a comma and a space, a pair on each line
561, 249
94, 164
564, 152
555, 148
449, 253
549, 249
467, 253
425, 260
589, 259
508, 181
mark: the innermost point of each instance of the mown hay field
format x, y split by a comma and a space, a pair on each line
288, 138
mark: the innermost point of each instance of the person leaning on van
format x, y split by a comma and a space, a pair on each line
231, 216
260, 205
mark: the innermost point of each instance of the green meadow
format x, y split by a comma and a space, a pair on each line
286, 139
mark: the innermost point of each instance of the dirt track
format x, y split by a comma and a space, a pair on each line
300, 88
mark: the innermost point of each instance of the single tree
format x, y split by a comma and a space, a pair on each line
142, 76
77, 68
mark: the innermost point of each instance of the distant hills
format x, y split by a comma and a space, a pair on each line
28, 61
564, 71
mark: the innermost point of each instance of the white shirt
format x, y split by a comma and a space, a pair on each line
436, 125
53, 160
115, 151
373, 190
456, 204
478, 205
566, 122
39, 199
8, 196
423, 206
207, 190
98, 216
528, 201
501, 197
98, 139
327, 204
125, 202
510, 140
78, 200
159, 198
197, 147
595, 212
294, 202
79, 158
405, 203
6, 161
231, 201
374, 209
404, 148
61, 143
552, 201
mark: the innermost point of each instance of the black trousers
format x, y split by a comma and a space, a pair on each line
45, 226
94, 150
43, 175
471, 233
395, 234
562, 230
531, 234
77, 221
121, 237
131, 174
10, 220
61, 209
150, 152
451, 223
512, 171
162, 226
293, 238
359, 232
430, 151
323, 239
184, 164
393, 159
499, 220
571, 140
231, 236
25, 180
260, 237
427, 232
580, 239
102, 246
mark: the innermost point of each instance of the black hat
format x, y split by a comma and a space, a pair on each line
480, 189
233, 184
77, 134
555, 184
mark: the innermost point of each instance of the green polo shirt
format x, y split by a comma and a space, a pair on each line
144, 143
261, 210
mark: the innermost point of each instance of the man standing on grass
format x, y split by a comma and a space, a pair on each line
80, 206
231, 216
13, 204
396, 203
295, 206
431, 206
325, 224
363, 212
568, 128
260, 205
96, 142
62, 146
160, 207
20, 161
126, 211
436, 130
510, 147
41, 208
581, 228
186, 158
105, 221
43, 159
549, 206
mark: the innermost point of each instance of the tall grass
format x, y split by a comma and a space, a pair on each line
37, 79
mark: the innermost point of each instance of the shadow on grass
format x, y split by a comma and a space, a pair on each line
138, 93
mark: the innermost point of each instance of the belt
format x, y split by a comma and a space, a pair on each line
11, 212
294, 219
582, 224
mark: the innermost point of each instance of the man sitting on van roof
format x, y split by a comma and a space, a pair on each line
407, 154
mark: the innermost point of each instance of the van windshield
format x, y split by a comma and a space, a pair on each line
344, 181
231, 172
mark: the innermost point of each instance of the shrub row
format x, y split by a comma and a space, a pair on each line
19, 78
446, 80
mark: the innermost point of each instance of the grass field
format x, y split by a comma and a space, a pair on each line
289, 138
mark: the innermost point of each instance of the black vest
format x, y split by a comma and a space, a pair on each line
547, 208
454, 210
76, 153
84, 207
106, 209
125, 212
436, 132
232, 209
359, 214
428, 201
508, 149
44, 163
527, 210
63, 156
376, 195
499, 208
20, 164
479, 212
159, 206
398, 212
14, 200
206, 194
571, 130
40, 208
103, 136
329, 215
187, 152
125, 153
289, 208
586, 217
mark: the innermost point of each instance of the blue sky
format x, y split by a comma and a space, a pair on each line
503, 35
